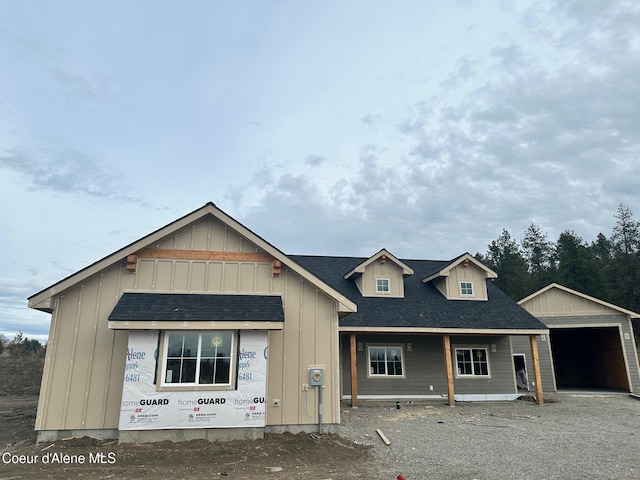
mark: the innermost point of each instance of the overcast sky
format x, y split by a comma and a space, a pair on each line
326, 127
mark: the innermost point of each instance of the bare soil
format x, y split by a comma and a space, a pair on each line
276, 456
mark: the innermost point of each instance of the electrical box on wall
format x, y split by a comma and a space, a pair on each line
316, 376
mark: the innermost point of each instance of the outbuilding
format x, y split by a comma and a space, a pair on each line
590, 344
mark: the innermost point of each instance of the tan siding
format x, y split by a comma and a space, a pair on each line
218, 236
84, 337
84, 369
555, 302
441, 285
247, 277
198, 275
63, 366
97, 381
467, 274
200, 237
181, 276
388, 270
231, 277
263, 278
275, 377
144, 274
163, 275
292, 332
234, 242
214, 276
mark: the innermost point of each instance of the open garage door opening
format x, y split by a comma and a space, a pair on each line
589, 358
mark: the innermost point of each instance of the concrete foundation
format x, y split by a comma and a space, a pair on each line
54, 435
182, 435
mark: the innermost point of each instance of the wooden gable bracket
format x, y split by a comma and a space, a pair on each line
383, 259
132, 263
277, 268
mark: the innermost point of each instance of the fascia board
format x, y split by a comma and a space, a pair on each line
444, 331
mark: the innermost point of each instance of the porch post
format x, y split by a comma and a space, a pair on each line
533, 340
446, 342
354, 372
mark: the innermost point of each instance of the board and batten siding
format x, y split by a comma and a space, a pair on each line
389, 270
84, 365
471, 274
424, 367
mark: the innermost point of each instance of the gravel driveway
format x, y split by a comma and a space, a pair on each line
570, 437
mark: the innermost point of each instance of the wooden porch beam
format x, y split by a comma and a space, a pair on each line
354, 371
533, 340
177, 254
446, 343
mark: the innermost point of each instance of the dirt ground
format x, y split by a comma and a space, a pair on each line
276, 456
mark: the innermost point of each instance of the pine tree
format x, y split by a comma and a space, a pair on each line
505, 258
539, 253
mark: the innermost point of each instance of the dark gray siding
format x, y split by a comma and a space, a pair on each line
502, 374
424, 366
521, 344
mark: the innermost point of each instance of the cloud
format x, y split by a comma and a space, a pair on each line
371, 119
544, 129
82, 87
14, 315
65, 170
314, 160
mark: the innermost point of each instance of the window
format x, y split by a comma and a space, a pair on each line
466, 288
198, 358
472, 362
385, 361
382, 285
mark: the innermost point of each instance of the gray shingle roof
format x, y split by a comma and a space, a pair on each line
136, 307
423, 306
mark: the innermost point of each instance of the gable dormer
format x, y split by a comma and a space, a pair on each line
381, 275
464, 278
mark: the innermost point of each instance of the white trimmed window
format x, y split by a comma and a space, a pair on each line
386, 361
199, 358
466, 288
472, 362
382, 285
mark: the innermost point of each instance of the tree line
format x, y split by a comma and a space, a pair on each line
607, 268
21, 346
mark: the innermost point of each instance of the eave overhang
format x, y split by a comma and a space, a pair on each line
443, 331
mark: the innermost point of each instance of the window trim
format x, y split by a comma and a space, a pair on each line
471, 348
162, 385
388, 283
470, 284
385, 346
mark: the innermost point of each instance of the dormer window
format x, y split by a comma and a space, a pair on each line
382, 285
466, 288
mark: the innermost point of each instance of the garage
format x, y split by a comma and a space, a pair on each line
590, 357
